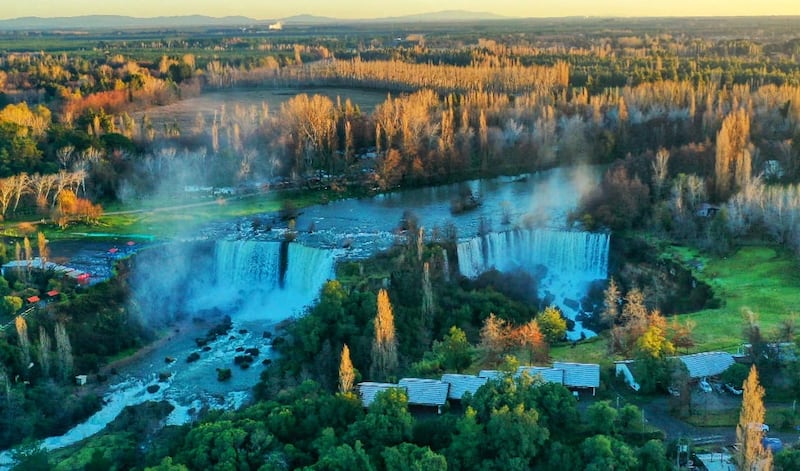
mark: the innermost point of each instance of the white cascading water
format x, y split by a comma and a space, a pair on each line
582, 254
248, 263
573, 259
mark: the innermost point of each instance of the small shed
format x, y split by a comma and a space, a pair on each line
425, 392
368, 390
80, 380
580, 375
460, 384
33, 299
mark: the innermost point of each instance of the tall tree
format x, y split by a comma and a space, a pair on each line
751, 454
494, 337
530, 337
24, 341
64, 349
733, 162
43, 354
347, 374
384, 344
611, 297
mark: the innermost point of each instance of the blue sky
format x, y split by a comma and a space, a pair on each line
272, 9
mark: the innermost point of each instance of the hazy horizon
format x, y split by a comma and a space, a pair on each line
354, 9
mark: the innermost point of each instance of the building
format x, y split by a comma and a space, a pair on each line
706, 364
580, 375
368, 390
425, 392
461, 384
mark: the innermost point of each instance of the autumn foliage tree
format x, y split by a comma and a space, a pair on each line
751, 454
384, 344
530, 337
347, 373
733, 165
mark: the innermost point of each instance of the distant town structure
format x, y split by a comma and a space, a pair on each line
276, 26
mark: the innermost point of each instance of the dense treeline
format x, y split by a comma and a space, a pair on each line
700, 134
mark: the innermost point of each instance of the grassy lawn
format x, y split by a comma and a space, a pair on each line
776, 417
763, 279
164, 219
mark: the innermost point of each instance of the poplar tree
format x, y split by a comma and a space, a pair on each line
64, 349
611, 303
347, 373
751, 454
24, 341
43, 355
384, 345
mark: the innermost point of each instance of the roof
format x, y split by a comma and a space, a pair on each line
579, 375
706, 363
52, 292
550, 375
425, 392
460, 384
369, 390
33, 299
491, 374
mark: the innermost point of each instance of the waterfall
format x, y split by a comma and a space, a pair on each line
579, 255
247, 263
269, 280
308, 268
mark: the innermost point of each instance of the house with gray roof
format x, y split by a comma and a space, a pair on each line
705, 364
368, 390
580, 375
425, 392
491, 374
549, 375
460, 384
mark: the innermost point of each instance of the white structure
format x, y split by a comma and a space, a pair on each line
623, 368
549, 375
276, 26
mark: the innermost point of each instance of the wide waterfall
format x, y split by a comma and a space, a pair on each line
272, 280
571, 259
579, 254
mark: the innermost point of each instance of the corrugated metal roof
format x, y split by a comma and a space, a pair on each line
459, 384
491, 374
550, 375
706, 363
425, 392
579, 375
368, 390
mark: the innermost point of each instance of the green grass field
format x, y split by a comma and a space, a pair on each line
764, 279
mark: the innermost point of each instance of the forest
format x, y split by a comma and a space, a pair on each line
695, 124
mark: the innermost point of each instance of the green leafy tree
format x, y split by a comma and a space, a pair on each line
386, 423
652, 456
552, 324
410, 457
345, 458
602, 453
601, 418
454, 350
465, 450
515, 435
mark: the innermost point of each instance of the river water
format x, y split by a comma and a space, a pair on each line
231, 274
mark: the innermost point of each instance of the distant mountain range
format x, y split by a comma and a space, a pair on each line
128, 22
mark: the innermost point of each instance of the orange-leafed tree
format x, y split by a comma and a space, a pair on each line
347, 374
751, 454
384, 344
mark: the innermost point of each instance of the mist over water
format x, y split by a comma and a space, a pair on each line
258, 279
